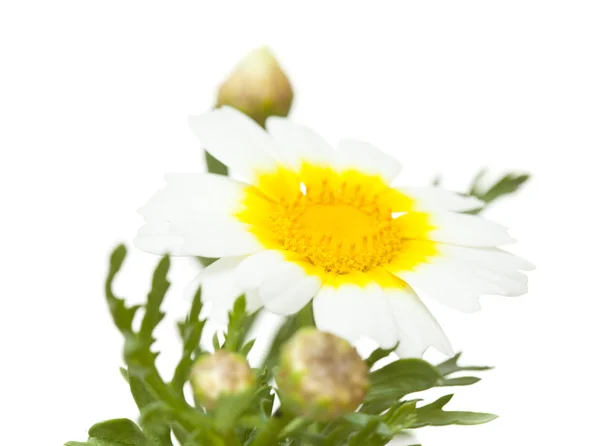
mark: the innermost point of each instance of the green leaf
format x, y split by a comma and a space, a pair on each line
401, 415
240, 323
245, 350
215, 166
215, 341
434, 415
451, 366
136, 349
153, 315
264, 397
362, 436
121, 314
363, 420
93, 442
459, 381
508, 184
402, 377
206, 261
117, 432
475, 183
378, 354
190, 331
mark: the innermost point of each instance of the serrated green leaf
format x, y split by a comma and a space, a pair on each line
122, 314
191, 332
474, 189
401, 378
94, 442
245, 350
362, 436
364, 420
434, 415
508, 184
451, 366
378, 354
153, 315
401, 415
240, 322
215, 341
458, 381
264, 398
146, 384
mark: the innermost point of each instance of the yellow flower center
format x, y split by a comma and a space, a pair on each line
336, 224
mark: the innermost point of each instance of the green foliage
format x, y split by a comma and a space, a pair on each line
434, 415
215, 166
379, 353
250, 419
451, 366
117, 432
190, 331
240, 323
508, 184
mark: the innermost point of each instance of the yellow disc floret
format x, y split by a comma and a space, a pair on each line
338, 223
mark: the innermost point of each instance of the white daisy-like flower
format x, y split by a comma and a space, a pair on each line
314, 223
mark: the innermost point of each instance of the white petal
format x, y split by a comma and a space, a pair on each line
494, 265
253, 270
193, 215
221, 290
467, 230
364, 157
435, 198
449, 284
156, 238
459, 284
417, 329
235, 140
194, 196
212, 238
350, 312
287, 289
490, 258
299, 143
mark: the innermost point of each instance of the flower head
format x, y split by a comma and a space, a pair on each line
258, 87
219, 375
314, 223
321, 376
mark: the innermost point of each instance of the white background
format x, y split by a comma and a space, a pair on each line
93, 104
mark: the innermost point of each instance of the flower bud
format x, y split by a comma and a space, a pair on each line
257, 87
321, 376
221, 374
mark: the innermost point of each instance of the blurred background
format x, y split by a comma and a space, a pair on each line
94, 99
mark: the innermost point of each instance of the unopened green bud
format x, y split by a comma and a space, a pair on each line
321, 376
257, 87
219, 375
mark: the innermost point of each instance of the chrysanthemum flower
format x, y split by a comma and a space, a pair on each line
311, 222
